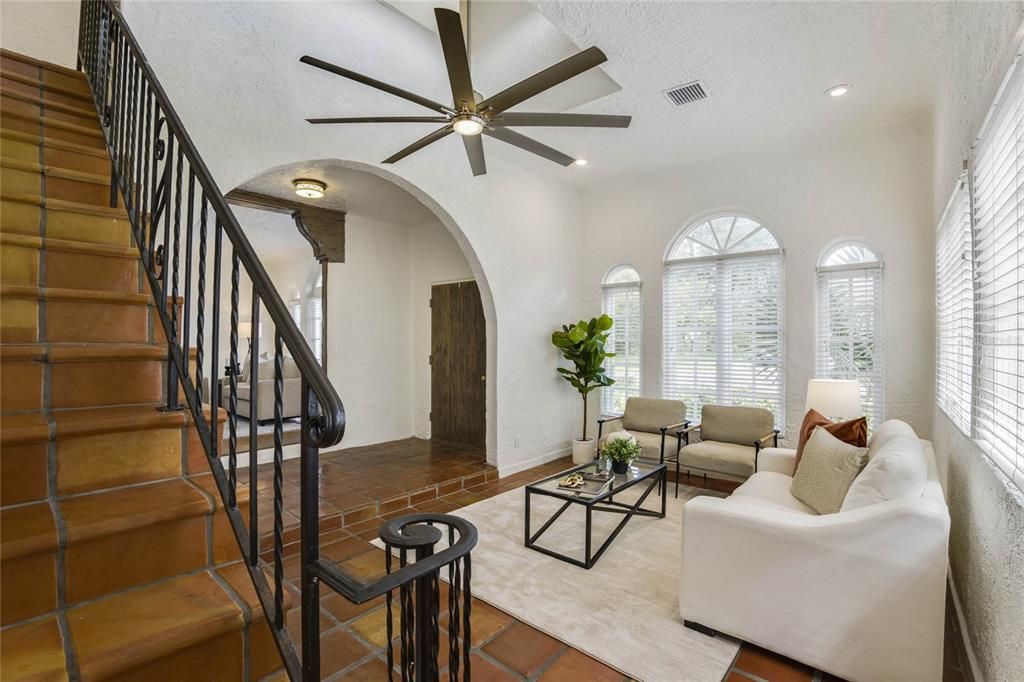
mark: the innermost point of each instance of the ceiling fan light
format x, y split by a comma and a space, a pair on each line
309, 189
468, 125
838, 90
580, 162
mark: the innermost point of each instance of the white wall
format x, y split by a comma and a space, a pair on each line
986, 538
45, 30
435, 258
872, 187
246, 116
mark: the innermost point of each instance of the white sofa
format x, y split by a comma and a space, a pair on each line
859, 594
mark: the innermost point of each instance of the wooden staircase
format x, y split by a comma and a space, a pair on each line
116, 558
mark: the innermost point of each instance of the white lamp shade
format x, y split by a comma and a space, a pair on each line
835, 398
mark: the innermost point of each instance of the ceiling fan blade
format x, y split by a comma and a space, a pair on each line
374, 83
523, 142
453, 43
380, 119
512, 118
542, 80
419, 144
475, 152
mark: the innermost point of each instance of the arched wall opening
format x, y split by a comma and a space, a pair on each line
391, 225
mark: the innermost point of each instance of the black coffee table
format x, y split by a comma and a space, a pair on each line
649, 474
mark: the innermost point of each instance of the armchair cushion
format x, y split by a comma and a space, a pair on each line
727, 458
772, 488
740, 425
829, 467
650, 414
650, 442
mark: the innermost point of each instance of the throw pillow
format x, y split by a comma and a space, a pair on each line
891, 428
897, 469
828, 469
854, 431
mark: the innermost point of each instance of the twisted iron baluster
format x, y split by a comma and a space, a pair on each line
147, 134
173, 338
218, 237
388, 618
468, 603
201, 302
278, 478
405, 614
187, 317
254, 413
233, 381
454, 612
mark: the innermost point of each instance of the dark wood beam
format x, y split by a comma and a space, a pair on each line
323, 228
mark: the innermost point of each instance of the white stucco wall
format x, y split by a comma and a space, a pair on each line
987, 533
46, 30
244, 95
870, 187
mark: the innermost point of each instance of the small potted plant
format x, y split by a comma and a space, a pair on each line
621, 449
583, 344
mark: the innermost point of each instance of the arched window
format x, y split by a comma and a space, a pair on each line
621, 301
315, 317
723, 315
850, 319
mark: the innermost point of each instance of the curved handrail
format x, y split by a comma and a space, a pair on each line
393, 534
328, 427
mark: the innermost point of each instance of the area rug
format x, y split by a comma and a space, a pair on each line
624, 611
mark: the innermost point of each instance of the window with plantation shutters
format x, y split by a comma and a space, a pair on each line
998, 202
954, 310
849, 327
621, 301
314, 329
723, 317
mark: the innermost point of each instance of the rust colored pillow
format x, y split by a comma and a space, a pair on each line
854, 432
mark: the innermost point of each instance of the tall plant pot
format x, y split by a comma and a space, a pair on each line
583, 451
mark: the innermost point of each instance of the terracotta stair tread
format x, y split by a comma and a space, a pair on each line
85, 111
27, 529
33, 651
71, 206
82, 352
58, 294
118, 633
68, 245
35, 427
54, 171
39, 63
32, 427
206, 482
78, 93
93, 515
29, 138
237, 576
50, 123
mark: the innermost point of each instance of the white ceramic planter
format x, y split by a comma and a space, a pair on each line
583, 451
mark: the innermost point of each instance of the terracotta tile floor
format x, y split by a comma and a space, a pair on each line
503, 648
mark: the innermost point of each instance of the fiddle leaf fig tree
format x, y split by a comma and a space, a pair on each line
583, 345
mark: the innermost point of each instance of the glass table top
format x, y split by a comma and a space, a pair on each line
638, 471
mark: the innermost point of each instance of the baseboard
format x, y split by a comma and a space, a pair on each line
967, 650
532, 462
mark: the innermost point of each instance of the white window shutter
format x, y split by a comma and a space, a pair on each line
622, 303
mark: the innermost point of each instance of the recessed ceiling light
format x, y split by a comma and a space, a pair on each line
581, 162
838, 90
310, 189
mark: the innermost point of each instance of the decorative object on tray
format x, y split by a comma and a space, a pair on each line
582, 344
580, 484
621, 448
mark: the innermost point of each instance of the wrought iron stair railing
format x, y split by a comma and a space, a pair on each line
179, 220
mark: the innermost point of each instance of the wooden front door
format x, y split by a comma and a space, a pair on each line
458, 364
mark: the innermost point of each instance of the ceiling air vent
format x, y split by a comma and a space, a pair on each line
687, 94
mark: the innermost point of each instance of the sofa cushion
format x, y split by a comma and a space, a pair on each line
770, 487
854, 431
826, 472
898, 469
892, 428
727, 458
729, 424
650, 414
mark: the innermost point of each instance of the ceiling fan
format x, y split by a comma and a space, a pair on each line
490, 116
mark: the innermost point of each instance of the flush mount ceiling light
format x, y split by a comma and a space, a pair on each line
838, 90
472, 119
310, 189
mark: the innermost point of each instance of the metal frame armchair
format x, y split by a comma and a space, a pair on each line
647, 418
727, 434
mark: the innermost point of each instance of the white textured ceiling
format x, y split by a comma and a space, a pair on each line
353, 191
765, 64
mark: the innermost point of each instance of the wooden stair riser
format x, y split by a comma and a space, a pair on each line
21, 217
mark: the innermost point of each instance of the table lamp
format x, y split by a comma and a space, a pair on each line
835, 398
